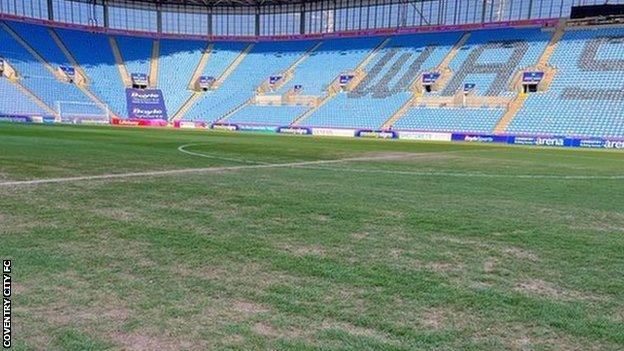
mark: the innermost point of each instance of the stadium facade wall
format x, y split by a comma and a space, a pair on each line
547, 22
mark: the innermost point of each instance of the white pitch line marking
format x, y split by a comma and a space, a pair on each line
198, 170
302, 165
182, 149
468, 175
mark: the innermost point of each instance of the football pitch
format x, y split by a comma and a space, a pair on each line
146, 239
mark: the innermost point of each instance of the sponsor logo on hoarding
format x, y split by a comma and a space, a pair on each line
144, 96
377, 134
591, 143
333, 132
230, 127
613, 144
524, 140
479, 139
148, 114
16, 119
187, 125
249, 128
90, 121
146, 104
294, 130
50, 119
125, 122
541, 141
549, 141
425, 136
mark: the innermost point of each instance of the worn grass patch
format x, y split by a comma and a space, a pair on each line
309, 258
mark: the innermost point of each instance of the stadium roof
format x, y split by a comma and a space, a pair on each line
238, 3
205, 3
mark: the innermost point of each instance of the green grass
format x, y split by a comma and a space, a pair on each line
342, 256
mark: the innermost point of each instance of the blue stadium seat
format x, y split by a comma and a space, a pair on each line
177, 62
95, 56
33, 73
586, 97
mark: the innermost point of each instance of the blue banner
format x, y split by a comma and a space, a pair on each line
274, 79
532, 77
481, 138
556, 141
68, 70
206, 81
15, 119
469, 86
430, 78
139, 78
541, 141
345, 78
146, 104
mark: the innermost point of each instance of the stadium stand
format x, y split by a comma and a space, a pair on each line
479, 120
36, 74
136, 53
586, 97
267, 114
386, 84
489, 63
330, 59
583, 95
179, 57
15, 102
93, 53
264, 59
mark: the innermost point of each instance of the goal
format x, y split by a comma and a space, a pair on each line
77, 112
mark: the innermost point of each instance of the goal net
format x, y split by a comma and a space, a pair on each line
77, 112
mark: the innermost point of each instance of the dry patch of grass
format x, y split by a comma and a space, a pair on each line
248, 308
356, 330
73, 304
117, 213
520, 338
489, 266
304, 250
152, 342
539, 287
434, 319
521, 254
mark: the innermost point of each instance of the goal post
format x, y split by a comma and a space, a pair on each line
77, 112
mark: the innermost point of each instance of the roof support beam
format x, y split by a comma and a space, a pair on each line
257, 21
50, 11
